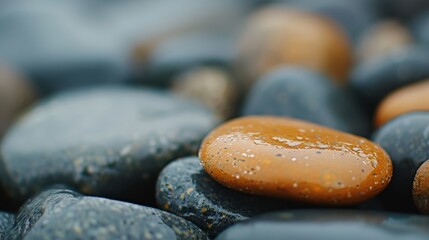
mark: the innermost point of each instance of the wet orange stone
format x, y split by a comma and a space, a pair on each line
296, 160
278, 36
421, 188
412, 98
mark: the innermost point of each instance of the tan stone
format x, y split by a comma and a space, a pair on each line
211, 86
383, 38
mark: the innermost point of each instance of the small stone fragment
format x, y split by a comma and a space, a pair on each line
211, 86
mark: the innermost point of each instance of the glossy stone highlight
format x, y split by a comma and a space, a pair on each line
292, 159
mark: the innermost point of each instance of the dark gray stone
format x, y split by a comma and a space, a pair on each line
64, 214
109, 142
420, 28
406, 140
376, 78
332, 225
404, 9
185, 189
303, 94
6, 222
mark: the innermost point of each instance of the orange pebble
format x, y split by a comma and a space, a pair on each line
296, 160
279, 36
411, 98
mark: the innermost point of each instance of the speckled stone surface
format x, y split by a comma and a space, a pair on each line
375, 78
421, 188
107, 142
303, 94
332, 225
406, 140
64, 214
295, 160
6, 222
185, 189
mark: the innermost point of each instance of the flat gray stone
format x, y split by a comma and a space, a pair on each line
64, 214
110, 142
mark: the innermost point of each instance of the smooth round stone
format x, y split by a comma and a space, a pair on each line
16, 94
107, 142
214, 87
377, 77
330, 224
410, 98
6, 222
307, 95
296, 160
276, 36
184, 189
64, 214
382, 38
406, 141
421, 188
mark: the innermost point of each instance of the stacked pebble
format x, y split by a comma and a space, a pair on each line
202, 119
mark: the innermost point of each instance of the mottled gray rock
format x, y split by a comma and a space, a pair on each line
184, 189
300, 93
109, 142
332, 225
406, 140
6, 222
64, 214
